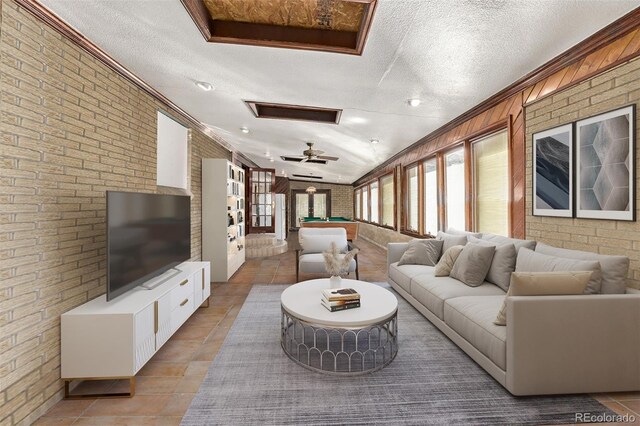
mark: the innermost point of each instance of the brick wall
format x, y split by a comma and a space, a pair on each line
341, 196
72, 129
607, 91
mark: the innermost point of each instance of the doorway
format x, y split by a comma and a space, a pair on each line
304, 204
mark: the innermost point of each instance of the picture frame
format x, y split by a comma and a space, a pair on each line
553, 165
605, 162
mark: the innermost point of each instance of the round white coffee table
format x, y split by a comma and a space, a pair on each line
354, 341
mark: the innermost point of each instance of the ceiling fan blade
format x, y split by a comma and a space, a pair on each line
326, 157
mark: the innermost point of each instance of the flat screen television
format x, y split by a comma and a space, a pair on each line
147, 234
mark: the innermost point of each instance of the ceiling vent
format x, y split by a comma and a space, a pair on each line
299, 159
294, 112
306, 176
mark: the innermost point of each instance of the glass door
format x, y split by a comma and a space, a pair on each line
261, 200
316, 205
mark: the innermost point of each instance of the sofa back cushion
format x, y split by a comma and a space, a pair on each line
530, 261
543, 284
614, 268
472, 264
422, 252
451, 240
502, 264
454, 231
517, 243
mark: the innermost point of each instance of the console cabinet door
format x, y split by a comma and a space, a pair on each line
163, 318
144, 335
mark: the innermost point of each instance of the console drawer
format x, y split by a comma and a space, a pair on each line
181, 292
181, 313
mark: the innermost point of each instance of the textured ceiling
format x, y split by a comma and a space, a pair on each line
452, 54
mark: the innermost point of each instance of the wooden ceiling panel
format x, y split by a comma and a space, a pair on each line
318, 14
339, 26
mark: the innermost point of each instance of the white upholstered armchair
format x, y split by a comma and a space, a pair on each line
314, 241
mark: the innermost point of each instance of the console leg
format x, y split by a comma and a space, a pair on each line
132, 389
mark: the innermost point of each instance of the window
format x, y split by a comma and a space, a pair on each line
373, 193
365, 204
491, 184
430, 171
388, 200
412, 199
455, 188
375, 201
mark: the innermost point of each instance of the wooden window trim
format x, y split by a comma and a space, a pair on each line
405, 201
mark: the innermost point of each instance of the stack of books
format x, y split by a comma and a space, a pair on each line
340, 299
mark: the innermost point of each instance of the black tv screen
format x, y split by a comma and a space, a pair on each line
147, 234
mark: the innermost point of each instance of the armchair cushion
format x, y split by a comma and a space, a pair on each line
314, 263
320, 243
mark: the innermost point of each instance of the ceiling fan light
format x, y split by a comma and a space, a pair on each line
310, 189
207, 87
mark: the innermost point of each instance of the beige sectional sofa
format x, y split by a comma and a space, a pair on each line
551, 344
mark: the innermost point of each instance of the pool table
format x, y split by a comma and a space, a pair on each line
332, 222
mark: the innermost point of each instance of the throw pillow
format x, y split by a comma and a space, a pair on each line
444, 266
503, 263
451, 240
530, 261
454, 231
543, 284
472, 265
422, 252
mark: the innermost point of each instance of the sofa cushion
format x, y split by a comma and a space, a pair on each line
543, 284
314, 263
472, 265
531, 261
503, 263
402, 274
517, 243
422, 252
432, 291
614, 268
451, 240
472, 318
454, 231
446, 262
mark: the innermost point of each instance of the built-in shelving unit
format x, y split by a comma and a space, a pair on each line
223, 217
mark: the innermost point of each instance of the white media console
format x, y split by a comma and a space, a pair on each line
108, 340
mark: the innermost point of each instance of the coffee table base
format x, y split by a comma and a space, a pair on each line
341, 351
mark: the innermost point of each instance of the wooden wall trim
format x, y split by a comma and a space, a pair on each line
52, 20
600, 39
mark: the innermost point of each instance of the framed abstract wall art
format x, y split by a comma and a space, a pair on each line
553, 172
605, 162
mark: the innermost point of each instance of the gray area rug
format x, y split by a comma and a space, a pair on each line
431, 381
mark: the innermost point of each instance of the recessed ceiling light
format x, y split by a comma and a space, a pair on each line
244, 129
207, 87
374, 141
414, 102
271, 160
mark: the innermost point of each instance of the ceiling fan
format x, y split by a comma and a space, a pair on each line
310, 155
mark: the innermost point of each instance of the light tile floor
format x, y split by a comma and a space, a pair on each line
169, 381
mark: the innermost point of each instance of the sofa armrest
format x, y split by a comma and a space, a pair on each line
573, 344
395, 252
